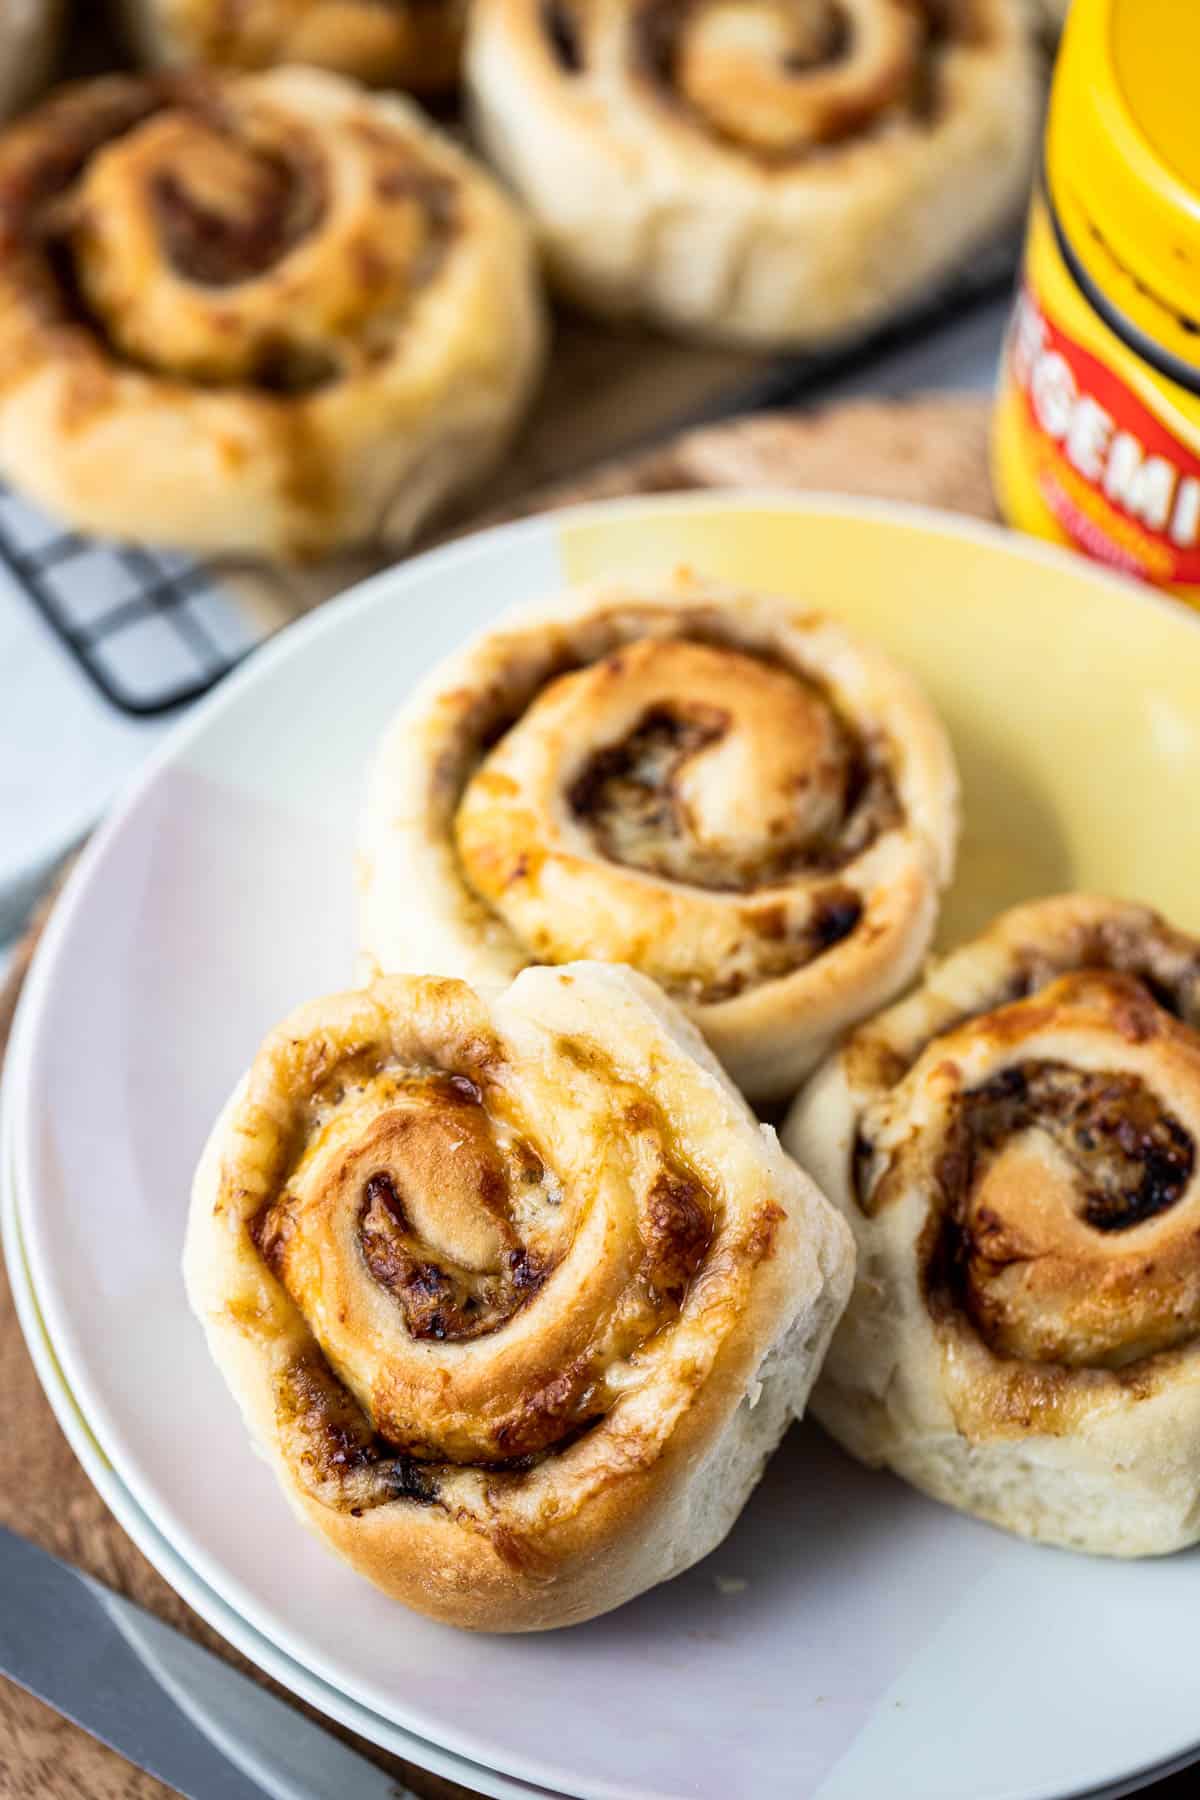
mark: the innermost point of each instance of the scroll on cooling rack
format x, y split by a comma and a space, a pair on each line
267, 313
764, 171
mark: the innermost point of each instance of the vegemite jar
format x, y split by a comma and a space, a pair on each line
1096, 437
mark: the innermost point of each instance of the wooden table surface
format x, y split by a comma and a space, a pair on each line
932, 450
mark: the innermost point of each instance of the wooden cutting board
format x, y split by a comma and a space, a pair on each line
931, 450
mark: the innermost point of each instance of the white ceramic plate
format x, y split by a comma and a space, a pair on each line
211, 1608
850, 1639
183, 1579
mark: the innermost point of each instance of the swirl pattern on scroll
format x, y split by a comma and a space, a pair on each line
758, 165
444, 1208
703, 767
277, 288
723, 791
781, 77
1026, 1194
496, 1268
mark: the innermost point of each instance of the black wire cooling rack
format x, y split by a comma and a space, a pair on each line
151, 630
154, 630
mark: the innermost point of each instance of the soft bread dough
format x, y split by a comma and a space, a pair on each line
772, 851
1014, 1147
29, 39
570, 1288
414, 44
299, 317
762, 171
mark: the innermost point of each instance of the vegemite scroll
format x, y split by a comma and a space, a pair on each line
1015, 1148
269, 313
722, 789
776, 172
515, 1293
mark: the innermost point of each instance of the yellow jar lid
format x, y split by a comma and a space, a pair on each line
1123, 158
1156, 57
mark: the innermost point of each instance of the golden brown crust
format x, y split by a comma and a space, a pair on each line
294, 298
1018, 1143
722, 790
757, 169
493, 1285
414, 44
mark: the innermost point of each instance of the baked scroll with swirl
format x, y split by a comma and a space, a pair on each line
515, 1295
1015, 1146
774, 171
722, 790
262, 313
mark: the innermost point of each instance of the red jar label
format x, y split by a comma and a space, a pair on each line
1123, 487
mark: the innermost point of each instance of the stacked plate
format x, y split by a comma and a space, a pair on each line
850, 1638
